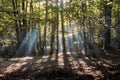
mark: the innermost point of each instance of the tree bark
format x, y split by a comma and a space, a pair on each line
16, 22
52, 39
45, 27
108, 12
62, 25
24, 29
57, 25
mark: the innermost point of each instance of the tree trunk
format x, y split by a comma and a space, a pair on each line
16, 22
52, 39
45, 27
24, 29
57, 25
108, 12
84, 29
40, 42
62, 25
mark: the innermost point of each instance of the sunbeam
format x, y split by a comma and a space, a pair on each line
28, 44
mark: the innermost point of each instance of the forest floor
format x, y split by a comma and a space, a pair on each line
69, 66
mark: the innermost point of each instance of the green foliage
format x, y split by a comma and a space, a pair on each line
34, 14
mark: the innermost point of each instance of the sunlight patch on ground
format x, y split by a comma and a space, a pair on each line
60, 60
77, 61
47, 58
39, 61
96, 73
43, 59
86, 58
68, 52
82, 62
14, 67
21, 59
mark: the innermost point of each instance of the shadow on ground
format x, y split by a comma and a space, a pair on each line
69, 66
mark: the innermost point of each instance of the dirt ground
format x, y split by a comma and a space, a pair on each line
70, 66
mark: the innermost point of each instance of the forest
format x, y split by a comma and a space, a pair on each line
59, 39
